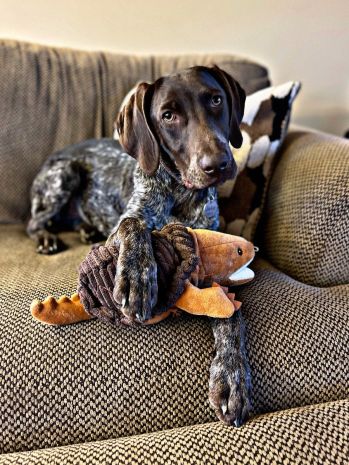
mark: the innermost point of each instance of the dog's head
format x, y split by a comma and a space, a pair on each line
187, 119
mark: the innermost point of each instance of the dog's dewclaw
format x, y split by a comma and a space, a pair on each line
64, 311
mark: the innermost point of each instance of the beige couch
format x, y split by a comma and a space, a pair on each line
97, 394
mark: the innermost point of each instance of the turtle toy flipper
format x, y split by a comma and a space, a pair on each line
213, 301
64, 311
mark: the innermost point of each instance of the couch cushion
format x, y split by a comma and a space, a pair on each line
297, 338
306, 219
93, 381
88, 381
53, 97
316, 435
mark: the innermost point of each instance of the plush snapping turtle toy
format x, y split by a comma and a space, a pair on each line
194, 266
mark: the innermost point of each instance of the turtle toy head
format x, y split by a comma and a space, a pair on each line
224, 258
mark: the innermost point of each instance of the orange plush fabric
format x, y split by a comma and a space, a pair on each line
221, 255
63, 311
212, 301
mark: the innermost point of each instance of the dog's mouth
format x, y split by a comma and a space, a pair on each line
188, 184
202, 181
192, 186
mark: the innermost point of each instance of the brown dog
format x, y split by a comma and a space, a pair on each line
178, 129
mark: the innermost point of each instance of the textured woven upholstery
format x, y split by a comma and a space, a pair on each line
88, 381
251, 76
306, 228
93, 381
316, 435
297, 338
53, 97
93, 393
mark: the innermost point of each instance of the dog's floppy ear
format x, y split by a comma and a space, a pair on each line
134, 128
237, 97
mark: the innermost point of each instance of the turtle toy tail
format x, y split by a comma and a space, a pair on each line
64, 311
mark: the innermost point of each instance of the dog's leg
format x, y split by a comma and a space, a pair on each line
51, 190
136, 280
230, 381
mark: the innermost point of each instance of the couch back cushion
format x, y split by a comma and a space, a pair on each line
52, 97
250, 75
305, 231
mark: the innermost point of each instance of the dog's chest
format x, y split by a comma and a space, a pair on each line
197, 209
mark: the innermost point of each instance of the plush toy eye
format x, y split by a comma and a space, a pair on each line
239, 251
216, 100
168, 116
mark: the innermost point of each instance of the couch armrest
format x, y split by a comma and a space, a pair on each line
305, 227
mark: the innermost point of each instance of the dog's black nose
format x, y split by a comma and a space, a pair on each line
211, 166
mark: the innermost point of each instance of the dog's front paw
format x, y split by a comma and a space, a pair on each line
136, 288
229, 392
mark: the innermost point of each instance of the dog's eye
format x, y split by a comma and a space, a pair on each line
168, 116
239, 251
216, 100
